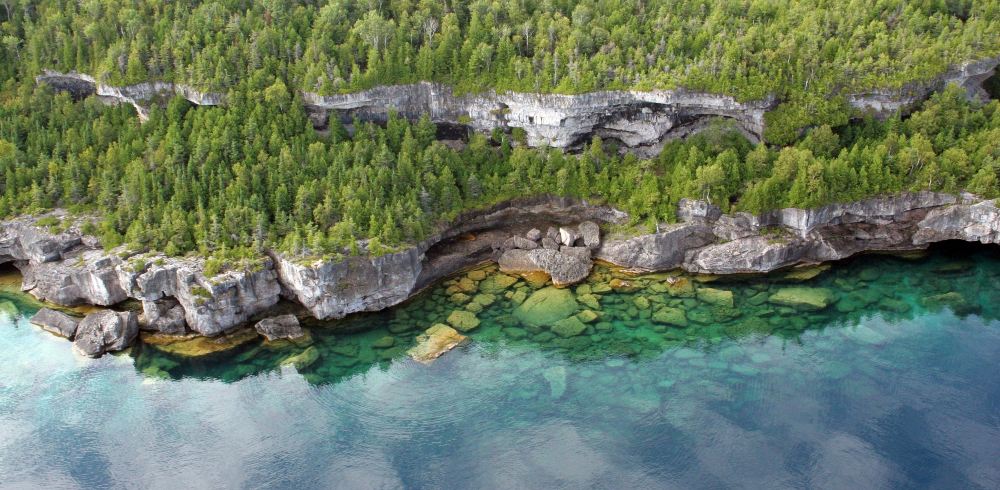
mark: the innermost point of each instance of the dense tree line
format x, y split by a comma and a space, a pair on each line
230, 181
804, 52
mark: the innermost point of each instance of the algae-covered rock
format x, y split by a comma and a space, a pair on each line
466, 285
893, 305
197, 345
478, 275
484, 299
303, 359
568, 327
807, 272
556, 376
587, 316
758, 299
496, 283
434, 342
953, 301
518, 297
590, 301
384, 342
717, 297
680, 287
463, 320
8, 309
474, 307
600, 288
641, 302
803, 298
460, 298
671, 316
583, 289
546, 306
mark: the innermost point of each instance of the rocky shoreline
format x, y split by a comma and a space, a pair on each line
639, 120
64, 266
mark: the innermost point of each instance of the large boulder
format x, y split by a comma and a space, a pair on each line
106, 331
546, 307
591, 234
280, 327
563, 268
56, 322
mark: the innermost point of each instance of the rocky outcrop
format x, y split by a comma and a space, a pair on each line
56, 322
105, 331
566, 264
969, 76
709, 242
634, 118
62, 265
69, 268
337, 287
139, 96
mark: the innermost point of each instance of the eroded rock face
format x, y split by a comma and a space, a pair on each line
138, 96
105, 331
969, 76
637, 119
710, 242
333, 289
564, 268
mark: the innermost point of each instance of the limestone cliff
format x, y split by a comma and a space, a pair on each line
66, 266
640, 120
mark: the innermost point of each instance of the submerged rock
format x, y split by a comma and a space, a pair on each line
546, 306
105, 331
803, 298
463, 320
807, 272
303, 359
199, 345
717, 297
556, 376
434, 342
56, 322
953, 301
280, 327
671, 316
568, 327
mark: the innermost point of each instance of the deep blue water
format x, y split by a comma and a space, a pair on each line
884, 388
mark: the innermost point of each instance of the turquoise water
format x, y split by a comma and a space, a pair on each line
893, 384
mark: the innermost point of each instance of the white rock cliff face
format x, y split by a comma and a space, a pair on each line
639, 120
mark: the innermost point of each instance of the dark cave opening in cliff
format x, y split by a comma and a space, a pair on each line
992, 85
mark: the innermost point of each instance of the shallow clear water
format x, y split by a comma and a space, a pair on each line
891, 385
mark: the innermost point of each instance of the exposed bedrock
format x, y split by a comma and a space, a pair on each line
640, 120
335, 288
709, 242
634, 118
969, 76
66, 267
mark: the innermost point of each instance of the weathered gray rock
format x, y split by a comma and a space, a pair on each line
659, 251
164, 316
56, 322
568, 236
591, 234
280, 327
693, 210
333, 289
534, 234
978, 222
519, 242
550, 244
581, 253
105, 331
563, 268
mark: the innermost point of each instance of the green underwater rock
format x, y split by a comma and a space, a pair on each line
568, 327
803, 298
546, 306
671, 316
463, 320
